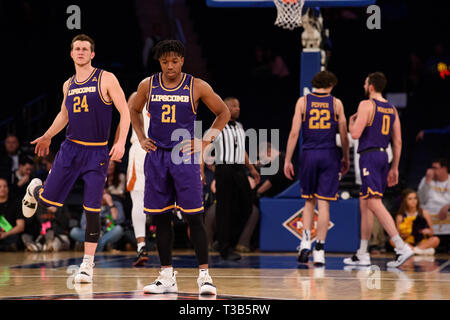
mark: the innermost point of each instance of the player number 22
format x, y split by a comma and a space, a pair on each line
77, 106
168, 115
319, 119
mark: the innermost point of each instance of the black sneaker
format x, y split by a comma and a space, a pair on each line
303, 256
141, 258
232, 256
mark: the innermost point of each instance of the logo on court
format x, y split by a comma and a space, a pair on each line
294, 224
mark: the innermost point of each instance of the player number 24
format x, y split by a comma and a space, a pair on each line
319, 119
168, 115
77, 106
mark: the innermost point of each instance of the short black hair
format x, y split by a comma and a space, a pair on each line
165, 46
324, 79
378, 80
24, 159
443, 162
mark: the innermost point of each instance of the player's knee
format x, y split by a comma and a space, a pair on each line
92, 233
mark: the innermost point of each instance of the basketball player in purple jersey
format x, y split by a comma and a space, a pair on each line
87, 109
321, 164
172, 98
375, 124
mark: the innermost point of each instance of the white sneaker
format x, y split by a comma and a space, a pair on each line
165, 283
401, 256
358, 259
29, 202
319, 257
205, 284
425, 252
85, 273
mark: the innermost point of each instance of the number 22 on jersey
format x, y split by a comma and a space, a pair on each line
319, 119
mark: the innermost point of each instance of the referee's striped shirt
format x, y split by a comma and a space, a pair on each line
230, 144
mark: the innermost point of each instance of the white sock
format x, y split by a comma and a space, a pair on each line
202, 272
399, 243
88, 259
306, 235
363, 246
168, 271
140, 245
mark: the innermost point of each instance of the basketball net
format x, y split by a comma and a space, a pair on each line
289, 13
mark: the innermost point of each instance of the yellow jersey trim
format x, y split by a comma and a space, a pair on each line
48, 201
176, 88
159, 210
149, 93
90, 143
320, 96
370, 192
90, 209
75, 78
325, 198
334, 109
191, 210
307, 197
373, 113
191, 94
306, 108
100, 89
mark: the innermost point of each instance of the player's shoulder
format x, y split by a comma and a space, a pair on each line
366, 104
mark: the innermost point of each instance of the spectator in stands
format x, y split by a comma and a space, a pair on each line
53, 235
12, 223
111, 218
415, 226
115, 182
45, 165
434, 194
277, 182
22, 176
421, 135
9, 157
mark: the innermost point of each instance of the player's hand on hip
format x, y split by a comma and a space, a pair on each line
42, 145
192, 146
392, 177
148, 145
117, 152
289, 170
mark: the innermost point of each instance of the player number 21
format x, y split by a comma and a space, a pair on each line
77, 106
168, 115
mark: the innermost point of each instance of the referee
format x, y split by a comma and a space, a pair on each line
233, 192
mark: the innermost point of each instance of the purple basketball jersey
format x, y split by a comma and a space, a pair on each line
378, 133
89, 112
320, 123
170, 109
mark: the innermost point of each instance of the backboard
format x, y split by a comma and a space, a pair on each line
270, 3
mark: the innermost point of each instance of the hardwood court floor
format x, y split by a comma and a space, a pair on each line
272, 276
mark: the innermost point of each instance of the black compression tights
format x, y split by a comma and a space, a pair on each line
164, 237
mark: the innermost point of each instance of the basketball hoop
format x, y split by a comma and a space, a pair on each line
289, 13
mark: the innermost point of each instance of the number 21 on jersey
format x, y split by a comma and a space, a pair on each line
168, 114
